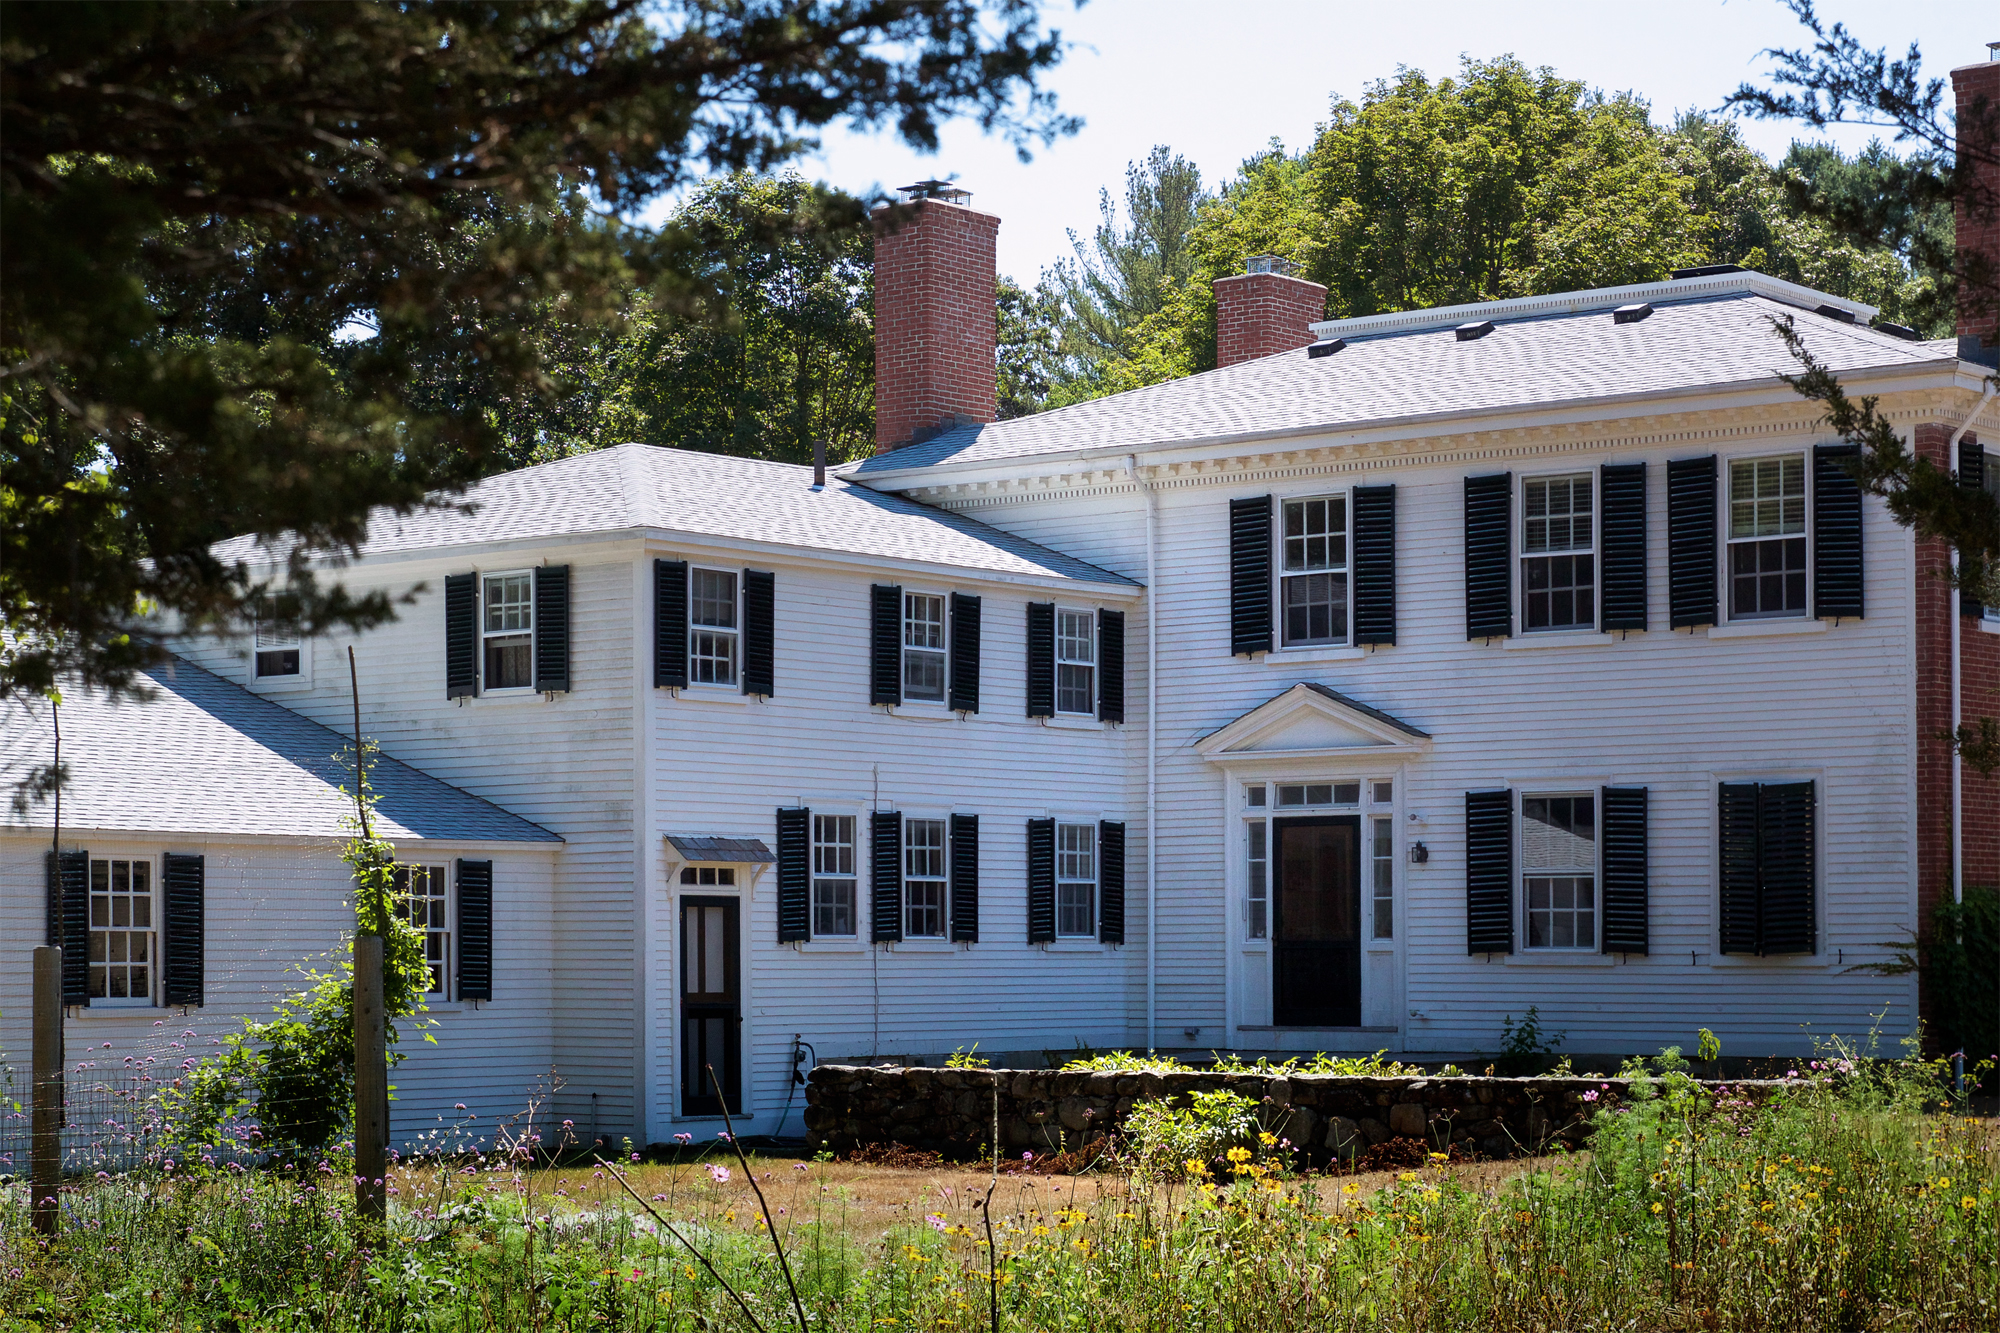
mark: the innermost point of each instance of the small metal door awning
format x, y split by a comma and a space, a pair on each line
731, 851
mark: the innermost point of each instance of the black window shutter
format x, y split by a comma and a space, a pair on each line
1110, 666
1250, 575
1691, 537
1622, 496
1110, 882
1489, 872
183, 879
1736, 828
1972, 476
1489, 557
885, 836
760, 632
69, 921
1041, 881
1836, 553
551, 627
1785, 866
475, 930
461, 636
794, 874
1041, 659
885, 644
965, 878
1625, 869
1374, 564
670, 624
964, 652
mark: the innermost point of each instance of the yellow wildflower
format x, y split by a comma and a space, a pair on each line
1239, 1154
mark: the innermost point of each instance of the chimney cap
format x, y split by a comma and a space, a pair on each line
950, 192
1270, 264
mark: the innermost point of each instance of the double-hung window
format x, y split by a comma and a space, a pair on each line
1076, 880
923, 647
421, 899
124, 941
1559, 870
923, 878
713, 629
276, 646
833, 877
508, 630
1767, 537
1313, 584
1558, 553
1076, 661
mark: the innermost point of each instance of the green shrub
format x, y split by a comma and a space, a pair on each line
1163, 1139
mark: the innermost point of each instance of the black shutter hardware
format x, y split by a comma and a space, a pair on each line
965, 879
1691, 538
68, 925
475, 930
1489, 556
1622, 494
794, 874
1625, 869
885, 644
1041, 659
1110, 882
885, 833
1250, 575
461, 636
1374, 565
1736, 826
183, 880
670, 624
1041, 881
760, 597
551, 628
1836, 544
1489, 872
1971, 476
1110, 666
964, 652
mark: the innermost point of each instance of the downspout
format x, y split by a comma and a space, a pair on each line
1957, 703
1152, 750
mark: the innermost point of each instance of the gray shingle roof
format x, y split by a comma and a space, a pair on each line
206, 757
636, 486
741, 851
1545, 360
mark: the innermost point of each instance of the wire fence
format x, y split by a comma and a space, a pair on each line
109, 1124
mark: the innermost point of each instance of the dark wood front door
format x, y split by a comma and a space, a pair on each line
711, 1005
1316, 944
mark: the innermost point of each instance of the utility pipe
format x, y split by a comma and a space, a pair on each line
1957, 703
1152, 749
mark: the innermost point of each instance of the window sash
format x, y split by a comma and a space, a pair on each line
834, 879
1382, 868
1076, 879
923, 647
1257, 916
1767, 497
423, 898
1076, 661
1560, 841
275, 649
1315, 534
124, 948
507, 631
1559, 552
924, 848
1767, 578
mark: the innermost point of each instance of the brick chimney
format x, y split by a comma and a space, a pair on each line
934, 315
1978, 209
1264, 310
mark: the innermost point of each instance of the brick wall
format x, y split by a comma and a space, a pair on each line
1262, 314
1978, 216
934, 321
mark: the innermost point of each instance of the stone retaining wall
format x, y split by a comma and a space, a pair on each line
950, 1111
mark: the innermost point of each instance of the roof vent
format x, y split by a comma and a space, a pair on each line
1708, 271
950, 192
1834, 312
1903, 331
1270, 264
1468, 332
1631, 314
1325, 347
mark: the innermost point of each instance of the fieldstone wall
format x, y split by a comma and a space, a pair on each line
950, 1111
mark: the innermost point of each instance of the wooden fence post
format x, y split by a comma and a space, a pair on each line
45, 1126
371, 1082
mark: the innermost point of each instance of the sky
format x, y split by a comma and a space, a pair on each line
1218, 79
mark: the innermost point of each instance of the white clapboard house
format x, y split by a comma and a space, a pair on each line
1401, 674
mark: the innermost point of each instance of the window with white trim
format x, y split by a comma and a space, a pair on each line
923, 878
1076, 880
833, 880
1767, 537
1076, 661
422, 898
1297, 795
1990, 463
713, 628
723, 877
276, 647
124, 936
1558, 553
923, 647
1313, 590
1559, 870
1382, 870
1258, 905
507, 629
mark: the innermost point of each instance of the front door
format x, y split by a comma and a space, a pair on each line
1316, 936
711, 1005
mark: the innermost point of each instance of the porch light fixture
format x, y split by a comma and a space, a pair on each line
1419, 853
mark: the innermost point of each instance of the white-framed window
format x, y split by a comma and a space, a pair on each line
923, 878
1559, 552
1382, 876
1767, 537
1559, 869
713, 628
1312, 581
124, 932
507, 629
1076, 661
1253, 795
923, 647
1299, 795
709, 877
1076, 880
1258, 897
423, 896
1384, 791
276, 649
833, 879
